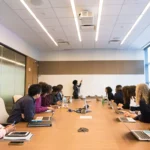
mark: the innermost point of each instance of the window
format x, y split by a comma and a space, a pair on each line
12, 75
147, 65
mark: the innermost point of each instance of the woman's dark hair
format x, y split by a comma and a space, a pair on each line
75, 82
118, 88
34, 89
126, 97
55, 89
109, 89
60, 87
50, 88
44, 87
132, 89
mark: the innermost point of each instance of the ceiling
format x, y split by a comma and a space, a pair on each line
117, 18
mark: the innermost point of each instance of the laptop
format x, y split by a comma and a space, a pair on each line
142, 135
44, 122
126, 119
114, 106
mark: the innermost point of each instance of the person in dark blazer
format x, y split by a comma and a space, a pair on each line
118, 97
109, 93
143, 99
24, 108
76, 89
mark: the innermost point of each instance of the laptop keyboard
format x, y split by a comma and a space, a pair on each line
142, 135
124, 119
45, 118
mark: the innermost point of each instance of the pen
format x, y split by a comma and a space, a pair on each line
13, 123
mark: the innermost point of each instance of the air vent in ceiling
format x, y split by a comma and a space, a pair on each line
87, 28
63, 43
114, 41
36, 2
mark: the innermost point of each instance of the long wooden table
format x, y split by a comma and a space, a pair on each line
105, 132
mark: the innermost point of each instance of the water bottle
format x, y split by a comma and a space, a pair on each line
63, 101
70, 99
103, 100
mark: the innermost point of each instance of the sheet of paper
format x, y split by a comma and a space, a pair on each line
48, 111
85, 117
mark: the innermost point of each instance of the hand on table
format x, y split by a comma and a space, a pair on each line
10, 128
51, 108
55, 106
127, 114
59, 103
120, 105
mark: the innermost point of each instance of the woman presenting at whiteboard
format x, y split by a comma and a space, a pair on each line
76, 89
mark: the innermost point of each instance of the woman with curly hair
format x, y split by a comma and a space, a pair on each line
143, 100
109, 93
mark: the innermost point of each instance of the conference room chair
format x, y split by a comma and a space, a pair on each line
3, 115
16, 98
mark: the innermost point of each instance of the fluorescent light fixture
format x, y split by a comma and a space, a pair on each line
11, 61
99, 19
136, 22
38, 21
76, 19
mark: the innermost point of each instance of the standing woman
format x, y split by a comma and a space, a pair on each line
76, 89
109, 93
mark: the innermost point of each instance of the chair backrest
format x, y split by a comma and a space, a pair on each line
16, 98
3, 113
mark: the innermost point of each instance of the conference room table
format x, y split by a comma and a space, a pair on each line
105, 132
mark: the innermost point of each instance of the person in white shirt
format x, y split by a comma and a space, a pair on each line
5, 130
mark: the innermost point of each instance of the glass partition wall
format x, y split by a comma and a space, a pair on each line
12, 75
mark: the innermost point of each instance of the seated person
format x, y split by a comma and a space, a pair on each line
60, 93
118, 97
51, 99
143, 99
128, 93
76, 89
109, 93
38, 106
6, 130
24, 108
126, 98
55, 92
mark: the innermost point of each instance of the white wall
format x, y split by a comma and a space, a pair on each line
12, 40
93, 84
